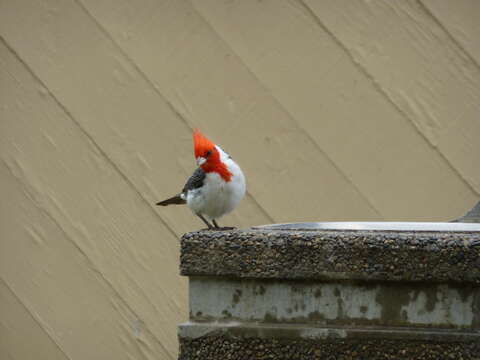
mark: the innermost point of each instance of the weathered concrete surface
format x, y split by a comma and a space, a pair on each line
333, 255
234, 346
326, 294
334, 303
195, 330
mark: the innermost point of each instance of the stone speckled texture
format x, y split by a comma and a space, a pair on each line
276, 259
333, 255
222, 347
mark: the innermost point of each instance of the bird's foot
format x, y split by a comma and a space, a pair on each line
219, 228
207, 229
224, 228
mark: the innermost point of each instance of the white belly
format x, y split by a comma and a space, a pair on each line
217, 197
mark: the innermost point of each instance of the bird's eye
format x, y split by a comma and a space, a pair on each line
208, 153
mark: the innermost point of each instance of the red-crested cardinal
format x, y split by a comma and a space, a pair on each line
216, 186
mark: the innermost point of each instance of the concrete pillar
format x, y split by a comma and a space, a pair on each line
333, 291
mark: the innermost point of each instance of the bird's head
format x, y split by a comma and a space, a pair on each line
205, 151
207, 155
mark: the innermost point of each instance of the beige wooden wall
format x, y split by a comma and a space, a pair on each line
336, 110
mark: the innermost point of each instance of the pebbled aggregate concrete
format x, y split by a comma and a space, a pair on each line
273, 259
223, 347
333, 255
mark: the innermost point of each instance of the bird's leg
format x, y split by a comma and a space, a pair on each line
221, 228
205, 221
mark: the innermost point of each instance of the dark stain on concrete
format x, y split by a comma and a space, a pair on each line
316, 316
297, 289
270, 318
392, 299
295, 307
262, 290
227, 314
236, 297
466, 292
432, 298
476, 309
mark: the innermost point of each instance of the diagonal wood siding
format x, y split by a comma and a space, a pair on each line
336, 110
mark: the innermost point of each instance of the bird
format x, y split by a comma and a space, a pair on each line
215, 188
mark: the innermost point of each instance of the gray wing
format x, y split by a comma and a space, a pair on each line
195, 181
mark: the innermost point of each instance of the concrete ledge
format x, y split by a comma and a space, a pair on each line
277, 293
193, 330
405, 304
333, 255
243, 341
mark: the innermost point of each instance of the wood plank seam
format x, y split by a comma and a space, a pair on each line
381, 91
30, 313
87, 135
448, 33
155, 89
292, 118
86, 257
53, 219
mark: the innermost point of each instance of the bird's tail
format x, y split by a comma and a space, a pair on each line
175, 200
